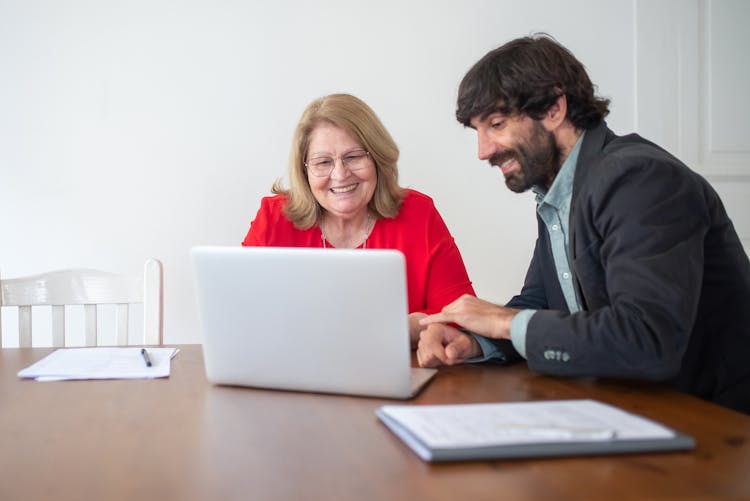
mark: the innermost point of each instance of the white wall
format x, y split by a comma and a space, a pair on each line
692, 76
141, 128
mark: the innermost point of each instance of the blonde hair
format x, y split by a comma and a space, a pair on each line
355, 117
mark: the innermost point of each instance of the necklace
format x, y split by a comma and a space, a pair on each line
369, 224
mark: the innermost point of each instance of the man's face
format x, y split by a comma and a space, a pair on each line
524, 150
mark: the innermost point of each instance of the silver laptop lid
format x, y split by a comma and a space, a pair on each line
332, 320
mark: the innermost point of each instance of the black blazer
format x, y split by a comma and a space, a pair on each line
661, 276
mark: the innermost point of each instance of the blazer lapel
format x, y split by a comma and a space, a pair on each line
591, 149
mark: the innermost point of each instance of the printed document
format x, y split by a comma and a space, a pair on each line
101, 363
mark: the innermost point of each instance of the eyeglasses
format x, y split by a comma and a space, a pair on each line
322, 166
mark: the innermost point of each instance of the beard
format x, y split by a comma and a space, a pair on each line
538, 157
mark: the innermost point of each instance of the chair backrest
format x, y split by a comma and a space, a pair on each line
88, 288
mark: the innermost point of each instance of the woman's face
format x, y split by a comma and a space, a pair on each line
347, 189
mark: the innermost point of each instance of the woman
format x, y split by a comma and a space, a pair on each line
344, 193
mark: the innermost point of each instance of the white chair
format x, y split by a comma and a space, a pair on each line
88, 288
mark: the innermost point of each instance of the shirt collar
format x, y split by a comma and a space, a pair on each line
561, 190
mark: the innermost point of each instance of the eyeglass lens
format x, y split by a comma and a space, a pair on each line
322, 166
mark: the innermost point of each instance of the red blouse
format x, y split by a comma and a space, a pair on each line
435, 271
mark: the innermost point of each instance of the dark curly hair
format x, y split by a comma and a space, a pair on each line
527, 75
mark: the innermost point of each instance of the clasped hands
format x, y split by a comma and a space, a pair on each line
443, 344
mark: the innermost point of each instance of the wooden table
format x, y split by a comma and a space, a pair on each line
182, 438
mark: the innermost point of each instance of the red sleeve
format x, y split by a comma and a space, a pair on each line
446, 278
435, 271
257, 235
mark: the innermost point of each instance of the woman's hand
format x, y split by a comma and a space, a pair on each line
415, 328
445, 345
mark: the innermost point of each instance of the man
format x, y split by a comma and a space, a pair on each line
637, 271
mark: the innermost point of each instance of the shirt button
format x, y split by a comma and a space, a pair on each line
566, 275
555, 227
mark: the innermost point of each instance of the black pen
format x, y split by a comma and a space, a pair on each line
146, 357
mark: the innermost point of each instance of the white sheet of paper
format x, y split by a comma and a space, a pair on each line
101, 363
478, 425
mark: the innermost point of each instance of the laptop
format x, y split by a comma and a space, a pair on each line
317, 320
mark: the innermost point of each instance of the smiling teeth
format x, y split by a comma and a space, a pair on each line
344, 189
504, 166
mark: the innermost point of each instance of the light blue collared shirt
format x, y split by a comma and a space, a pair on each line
553, 207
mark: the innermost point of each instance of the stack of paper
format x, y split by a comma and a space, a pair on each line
526, 429
102, 363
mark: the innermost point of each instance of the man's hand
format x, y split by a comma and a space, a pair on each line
445, 345
478, 316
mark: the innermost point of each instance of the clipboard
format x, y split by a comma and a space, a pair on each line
526, 430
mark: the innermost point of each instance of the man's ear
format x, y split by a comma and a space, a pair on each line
555, 114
